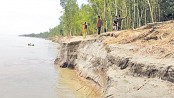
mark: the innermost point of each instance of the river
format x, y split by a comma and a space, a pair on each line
29, 71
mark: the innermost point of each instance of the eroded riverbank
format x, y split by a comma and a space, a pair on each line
121, 70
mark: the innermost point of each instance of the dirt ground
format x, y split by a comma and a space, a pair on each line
156, 39
150, 44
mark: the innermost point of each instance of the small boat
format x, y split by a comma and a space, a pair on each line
30, 44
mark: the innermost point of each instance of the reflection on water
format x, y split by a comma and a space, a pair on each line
28, 72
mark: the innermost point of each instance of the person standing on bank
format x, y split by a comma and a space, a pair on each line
85, 26
114, 24
99, 24
119, 21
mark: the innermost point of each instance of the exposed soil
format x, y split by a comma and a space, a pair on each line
125, 64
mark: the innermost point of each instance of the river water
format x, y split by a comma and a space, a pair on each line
29, 71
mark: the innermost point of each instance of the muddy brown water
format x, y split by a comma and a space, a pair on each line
29, 71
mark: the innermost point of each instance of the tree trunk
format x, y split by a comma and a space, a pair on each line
151, 11
134, 21
145, 16
116, 11
159, 11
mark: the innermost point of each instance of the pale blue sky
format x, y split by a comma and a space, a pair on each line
29, 16
82, 1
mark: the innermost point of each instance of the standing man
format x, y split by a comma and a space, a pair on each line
119, 22
114, 24
85, 26
99, 24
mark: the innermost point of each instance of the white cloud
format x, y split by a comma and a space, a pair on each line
28, 16
80, 2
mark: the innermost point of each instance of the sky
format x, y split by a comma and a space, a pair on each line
29, 16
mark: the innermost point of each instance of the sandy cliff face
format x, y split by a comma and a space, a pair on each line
87, 57
118, 69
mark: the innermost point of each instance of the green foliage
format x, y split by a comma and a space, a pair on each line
167, 7
135, 12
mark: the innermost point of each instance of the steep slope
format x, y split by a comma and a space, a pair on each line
125, 64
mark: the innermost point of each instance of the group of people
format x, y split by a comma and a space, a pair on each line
116, 25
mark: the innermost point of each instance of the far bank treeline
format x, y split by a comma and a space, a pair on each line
135, 12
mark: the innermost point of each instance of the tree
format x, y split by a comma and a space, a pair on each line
136, 13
